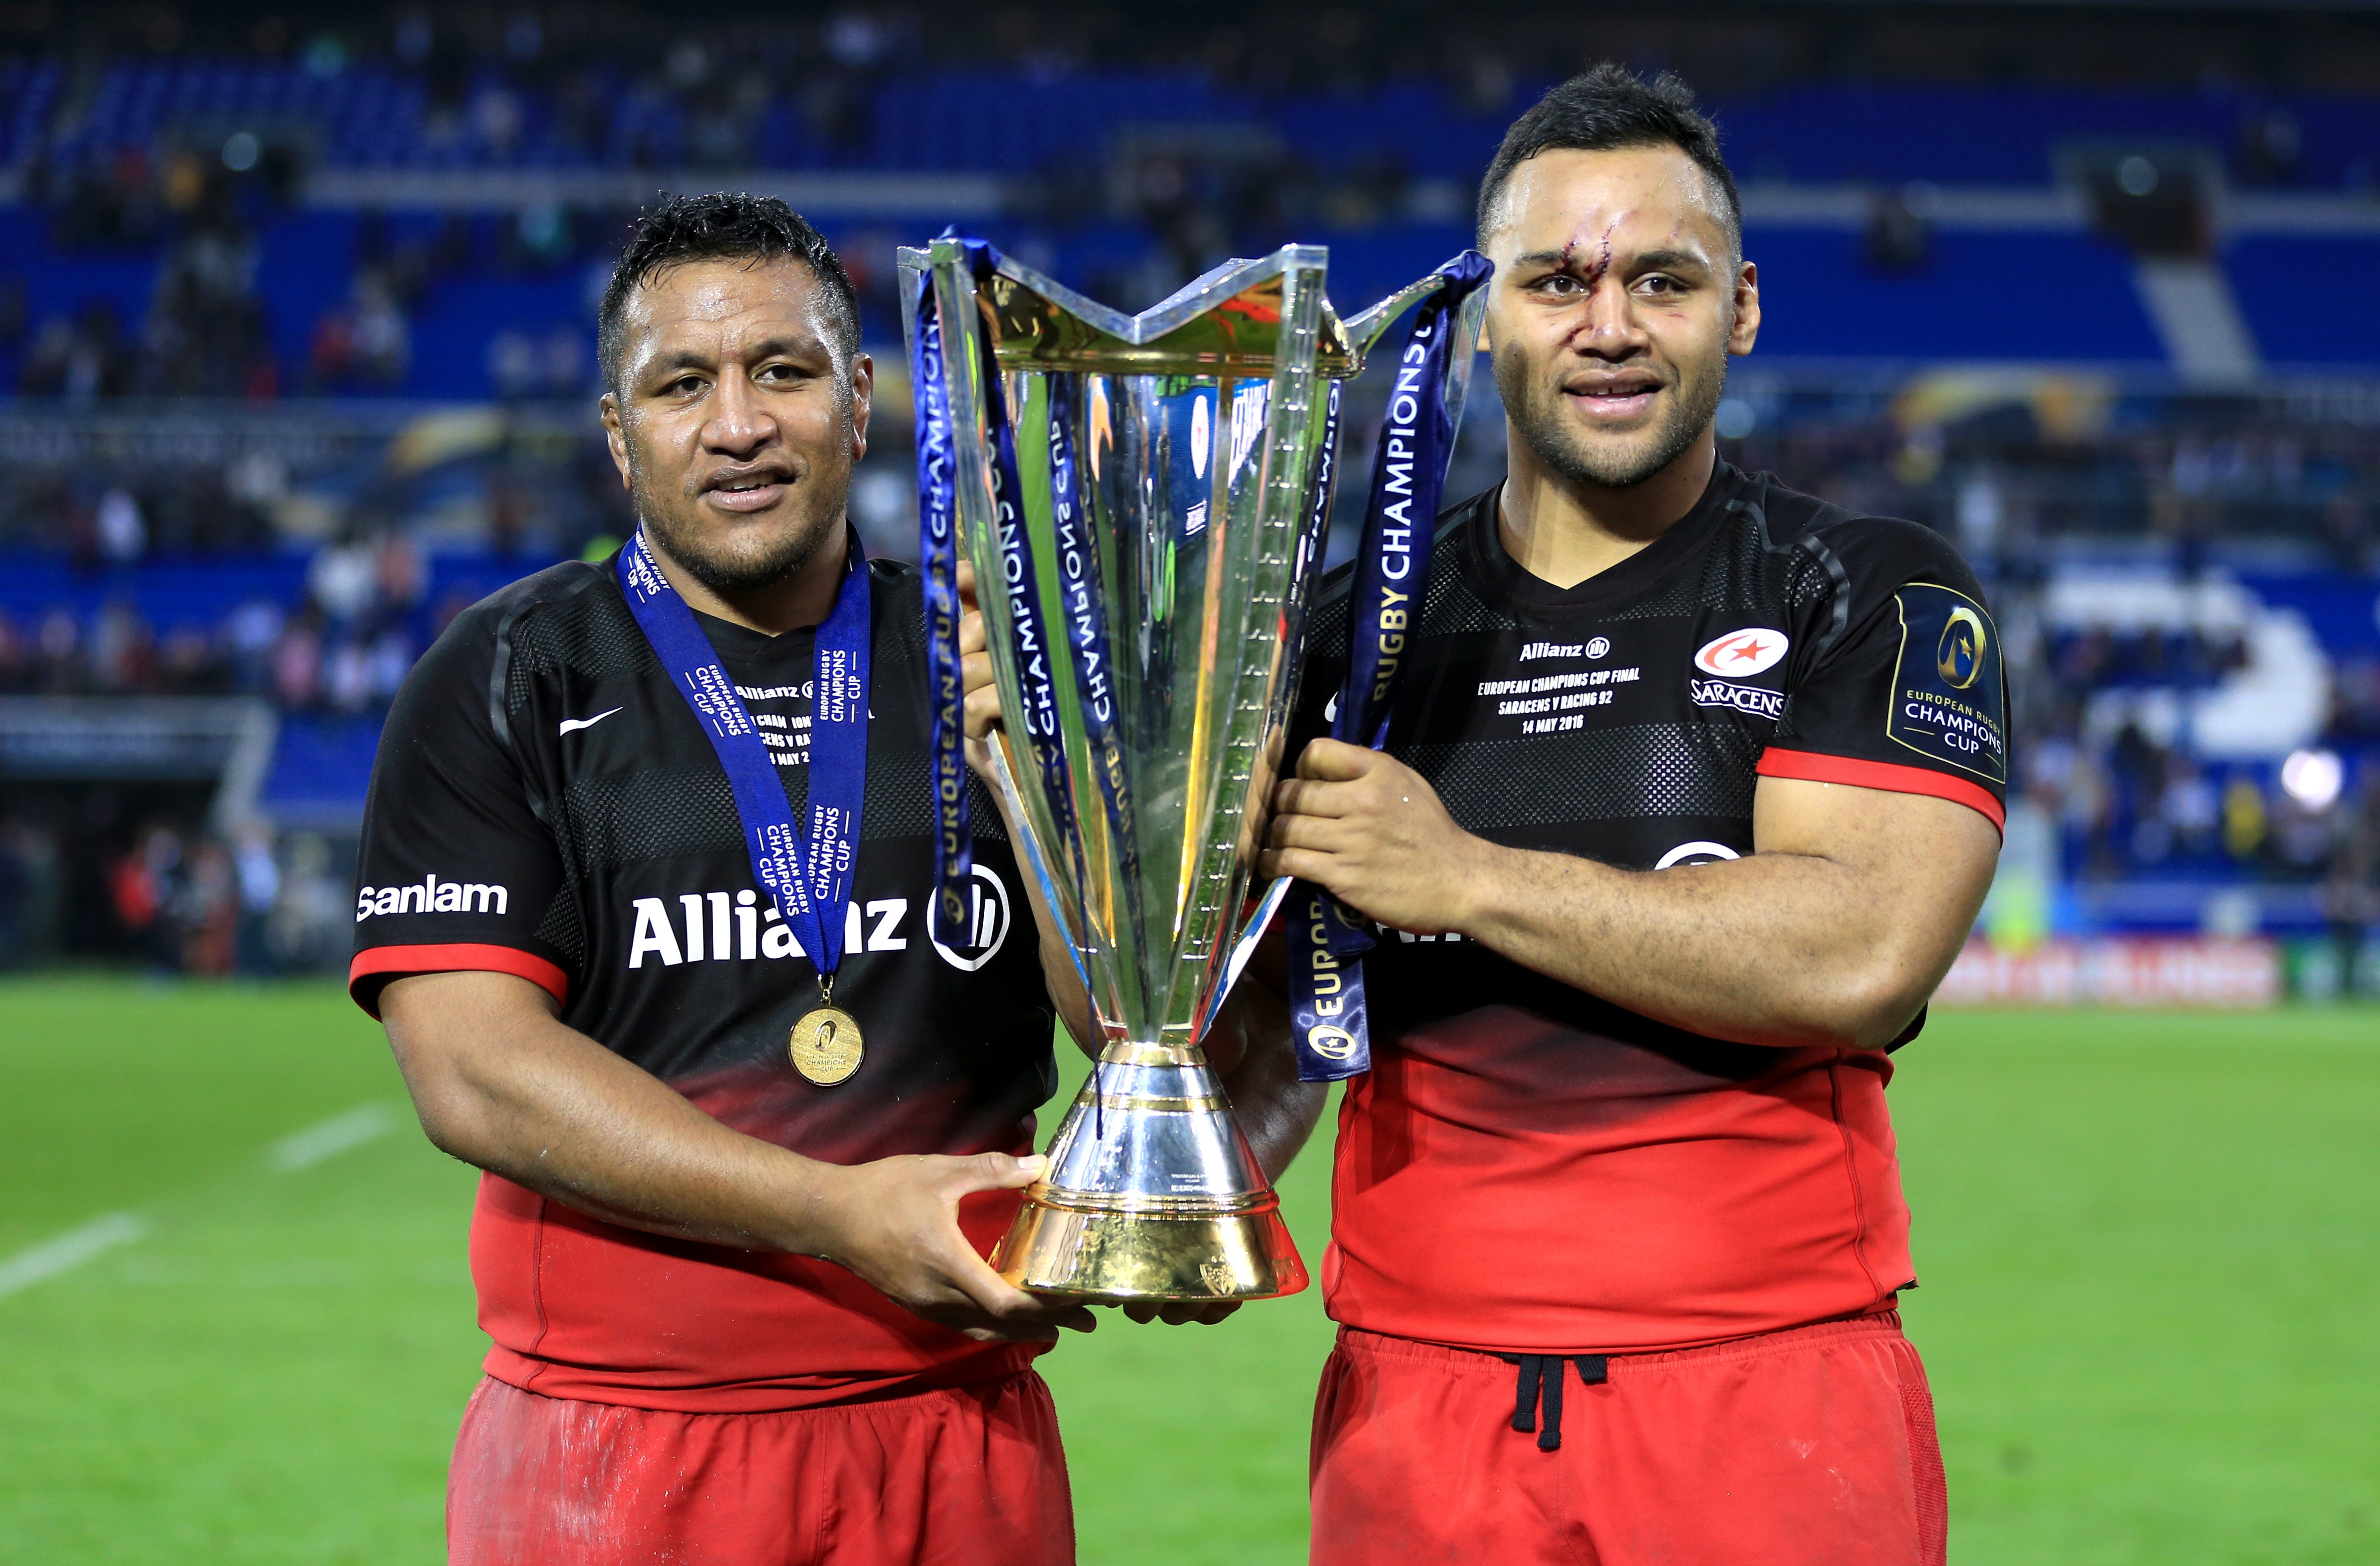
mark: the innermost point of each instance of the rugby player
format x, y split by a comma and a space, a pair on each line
1691, 793
737, 1315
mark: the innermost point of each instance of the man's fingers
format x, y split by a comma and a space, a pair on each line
952, 1307
1180, 1313
1010, 1307
1298, 864
1073, 1314
966, 582
1305, 831
982, 709
994, 1295
981, 713
991, 1171
971, 638
1332, 760
1306, 796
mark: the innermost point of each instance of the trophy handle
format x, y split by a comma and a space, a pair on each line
1244, 947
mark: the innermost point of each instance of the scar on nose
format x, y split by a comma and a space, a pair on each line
1592, 273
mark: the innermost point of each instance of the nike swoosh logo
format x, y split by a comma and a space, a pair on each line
570, 723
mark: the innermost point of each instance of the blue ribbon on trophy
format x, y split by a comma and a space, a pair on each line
938, 544
1329, 1021
937, 550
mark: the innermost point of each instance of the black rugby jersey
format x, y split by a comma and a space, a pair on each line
544, 803
1528, 1166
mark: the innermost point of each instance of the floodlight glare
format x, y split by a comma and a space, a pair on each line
2312, 778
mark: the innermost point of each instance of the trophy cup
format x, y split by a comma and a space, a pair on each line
1143, 499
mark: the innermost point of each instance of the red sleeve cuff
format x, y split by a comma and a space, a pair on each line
1890, 776
392, 962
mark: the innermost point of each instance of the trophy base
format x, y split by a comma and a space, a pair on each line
1102, 1255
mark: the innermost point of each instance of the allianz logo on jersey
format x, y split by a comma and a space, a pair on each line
431, 895
739, 927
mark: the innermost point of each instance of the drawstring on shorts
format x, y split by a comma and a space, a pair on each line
1540, 1382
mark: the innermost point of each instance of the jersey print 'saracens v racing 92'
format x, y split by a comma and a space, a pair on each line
546, 806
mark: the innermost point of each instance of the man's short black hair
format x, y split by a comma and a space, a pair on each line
1607, 109
722, 228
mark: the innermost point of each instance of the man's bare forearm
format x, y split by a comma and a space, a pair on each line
1780, 949
1833, 932
550, 1108
501, 1083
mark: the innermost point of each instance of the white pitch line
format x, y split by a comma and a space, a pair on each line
69, 1250
334, 1136
298, 1150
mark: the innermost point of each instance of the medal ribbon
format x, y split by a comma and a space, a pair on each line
809, 881
938, 552
1329, 1021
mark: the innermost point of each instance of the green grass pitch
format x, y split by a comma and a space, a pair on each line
2148, 1245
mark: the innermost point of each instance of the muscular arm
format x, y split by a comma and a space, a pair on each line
1834, 930
500, 1082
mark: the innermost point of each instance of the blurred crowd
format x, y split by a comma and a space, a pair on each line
343, 643
172, 899
2126, 804
354, 570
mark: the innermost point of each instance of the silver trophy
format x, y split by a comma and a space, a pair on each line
1144, 589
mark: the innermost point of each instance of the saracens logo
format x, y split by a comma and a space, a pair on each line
1749, 651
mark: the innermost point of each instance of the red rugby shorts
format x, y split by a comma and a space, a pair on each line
1812, 1447
968, 1475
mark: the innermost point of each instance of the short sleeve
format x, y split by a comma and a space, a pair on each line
1904, 690
455, 872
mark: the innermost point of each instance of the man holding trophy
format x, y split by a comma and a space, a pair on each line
1690, 795
644, 874
1673, 794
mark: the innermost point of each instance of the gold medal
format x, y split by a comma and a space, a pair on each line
826, 1045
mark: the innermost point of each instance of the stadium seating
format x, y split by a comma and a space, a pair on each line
436, 233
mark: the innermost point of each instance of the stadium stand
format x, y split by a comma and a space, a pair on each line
299, 328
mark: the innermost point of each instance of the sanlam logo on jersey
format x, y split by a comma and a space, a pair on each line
730, 926
1741, 653
431, 895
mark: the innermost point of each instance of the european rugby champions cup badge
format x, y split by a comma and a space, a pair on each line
1947, 703
1145, 499
806, 875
